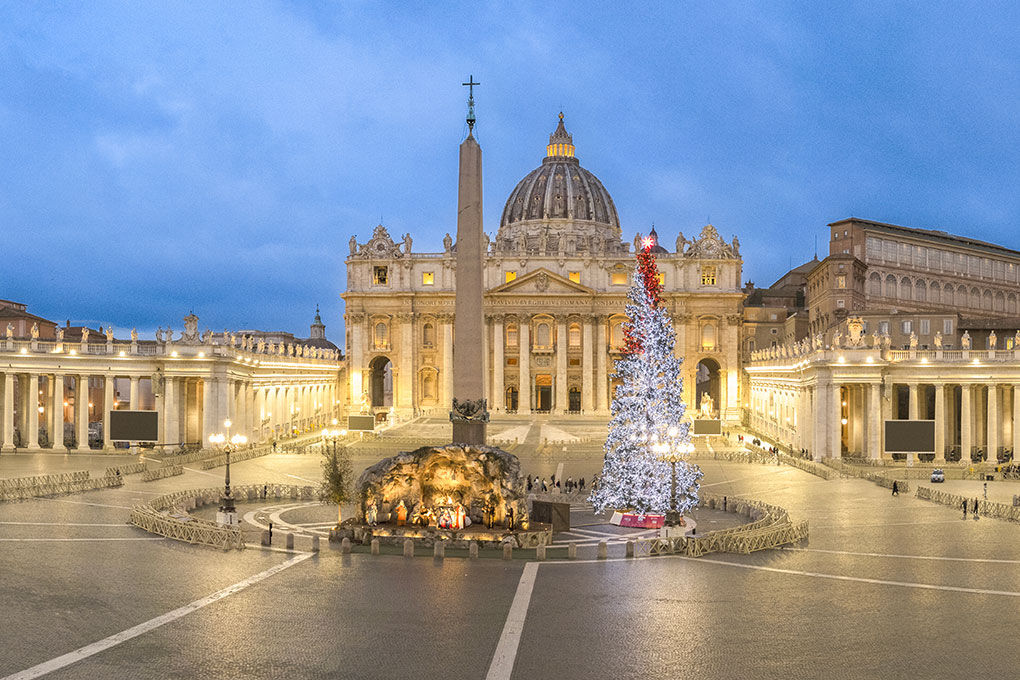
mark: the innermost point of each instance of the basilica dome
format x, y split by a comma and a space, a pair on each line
559, 199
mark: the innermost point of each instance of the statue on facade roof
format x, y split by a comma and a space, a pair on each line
134, 335
169, 334
10, 330
965, 340
353, 245
60, 334
837, 339
447, 243
109, 333
937, 339
992, 340
913, 340
407, 244
35, 330
84, 334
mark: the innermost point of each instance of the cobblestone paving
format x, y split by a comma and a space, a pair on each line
857, 601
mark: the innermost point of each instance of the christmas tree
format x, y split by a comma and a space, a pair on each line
647, 425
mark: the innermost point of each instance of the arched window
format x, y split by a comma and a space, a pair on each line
511, 335
428, 335
1000, 302
906, 289
920, 291
428, 385
575, 335
511, 399
381, 334
875, 284
543, 336
708, 336
890, 286
616, 335
986, 300
1011, 303
975, 298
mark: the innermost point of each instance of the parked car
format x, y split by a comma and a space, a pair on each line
937, 475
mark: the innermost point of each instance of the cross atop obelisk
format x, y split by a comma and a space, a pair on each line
470, 85
470, 412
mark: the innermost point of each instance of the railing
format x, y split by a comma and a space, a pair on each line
986, 508
236, 457
53, 485
770, 527
167, 515
132, 469
880, 478
162, 473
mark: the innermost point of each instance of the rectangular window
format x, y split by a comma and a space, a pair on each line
618, 278
775, 331
509, 276
380, 275
925, 326
662, 279
511, 361
840, 304
575, 277
841, 281
906, 326
708, 275
947, 326
883, 327
574, 361
428, 278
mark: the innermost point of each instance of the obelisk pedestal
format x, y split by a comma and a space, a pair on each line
470, 414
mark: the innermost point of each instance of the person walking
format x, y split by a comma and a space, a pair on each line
545, 487
975, 508
965, 508
986, 491
581, 484
895, 489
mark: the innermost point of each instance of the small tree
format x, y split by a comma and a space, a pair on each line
337, 476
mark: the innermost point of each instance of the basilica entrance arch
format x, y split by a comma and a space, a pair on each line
381, 382
706, 381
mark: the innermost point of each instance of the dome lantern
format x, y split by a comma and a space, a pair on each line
561, 143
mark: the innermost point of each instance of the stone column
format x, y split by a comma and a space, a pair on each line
57, 416
8, 414
134, 393
993, 422
820, 418
108, 405
447, 370
404, 399
601, 375
587, 405
858, 418
1016, 418
81, 407
940, 423
524, 340
171, 413
355, 362
562, 404
32, 411
836, 429
498, 403
209, 415
913, 406
875, 421
966, 429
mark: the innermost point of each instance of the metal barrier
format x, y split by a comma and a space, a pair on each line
770, 527
53, 485
162, 473
986, 508
132, 469
187, 528
880, 478
237, 457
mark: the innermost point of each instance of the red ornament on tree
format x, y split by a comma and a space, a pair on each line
653, 288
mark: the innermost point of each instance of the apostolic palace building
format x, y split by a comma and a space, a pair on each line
894, 324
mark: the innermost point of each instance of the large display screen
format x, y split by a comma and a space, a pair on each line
910, 436
134, 426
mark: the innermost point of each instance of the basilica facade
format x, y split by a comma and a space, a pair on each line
556, 277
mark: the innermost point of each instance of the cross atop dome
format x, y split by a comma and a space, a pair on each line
561, 143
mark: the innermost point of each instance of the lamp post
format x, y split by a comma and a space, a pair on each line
672, 452
331, 437
227, 513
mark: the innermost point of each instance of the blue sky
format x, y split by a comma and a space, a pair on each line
216, 157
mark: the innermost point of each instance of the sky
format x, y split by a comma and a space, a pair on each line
162, 158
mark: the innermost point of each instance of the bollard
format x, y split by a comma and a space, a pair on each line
603, 550
630, 548
408, 547
572, 550
290, 541
345, 546
439, 550
508, 551
266, 540
315, 544
473, 550
540, 552
375, 546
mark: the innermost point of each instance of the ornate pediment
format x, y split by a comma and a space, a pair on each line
379, 246
542, 282
710, 246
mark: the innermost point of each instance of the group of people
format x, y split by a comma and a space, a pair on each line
556, 485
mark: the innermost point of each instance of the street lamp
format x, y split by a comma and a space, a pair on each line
227, 513
331, 437
672, 452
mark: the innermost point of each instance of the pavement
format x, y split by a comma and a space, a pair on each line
886, 587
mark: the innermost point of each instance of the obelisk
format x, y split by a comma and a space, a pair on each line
469, 412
